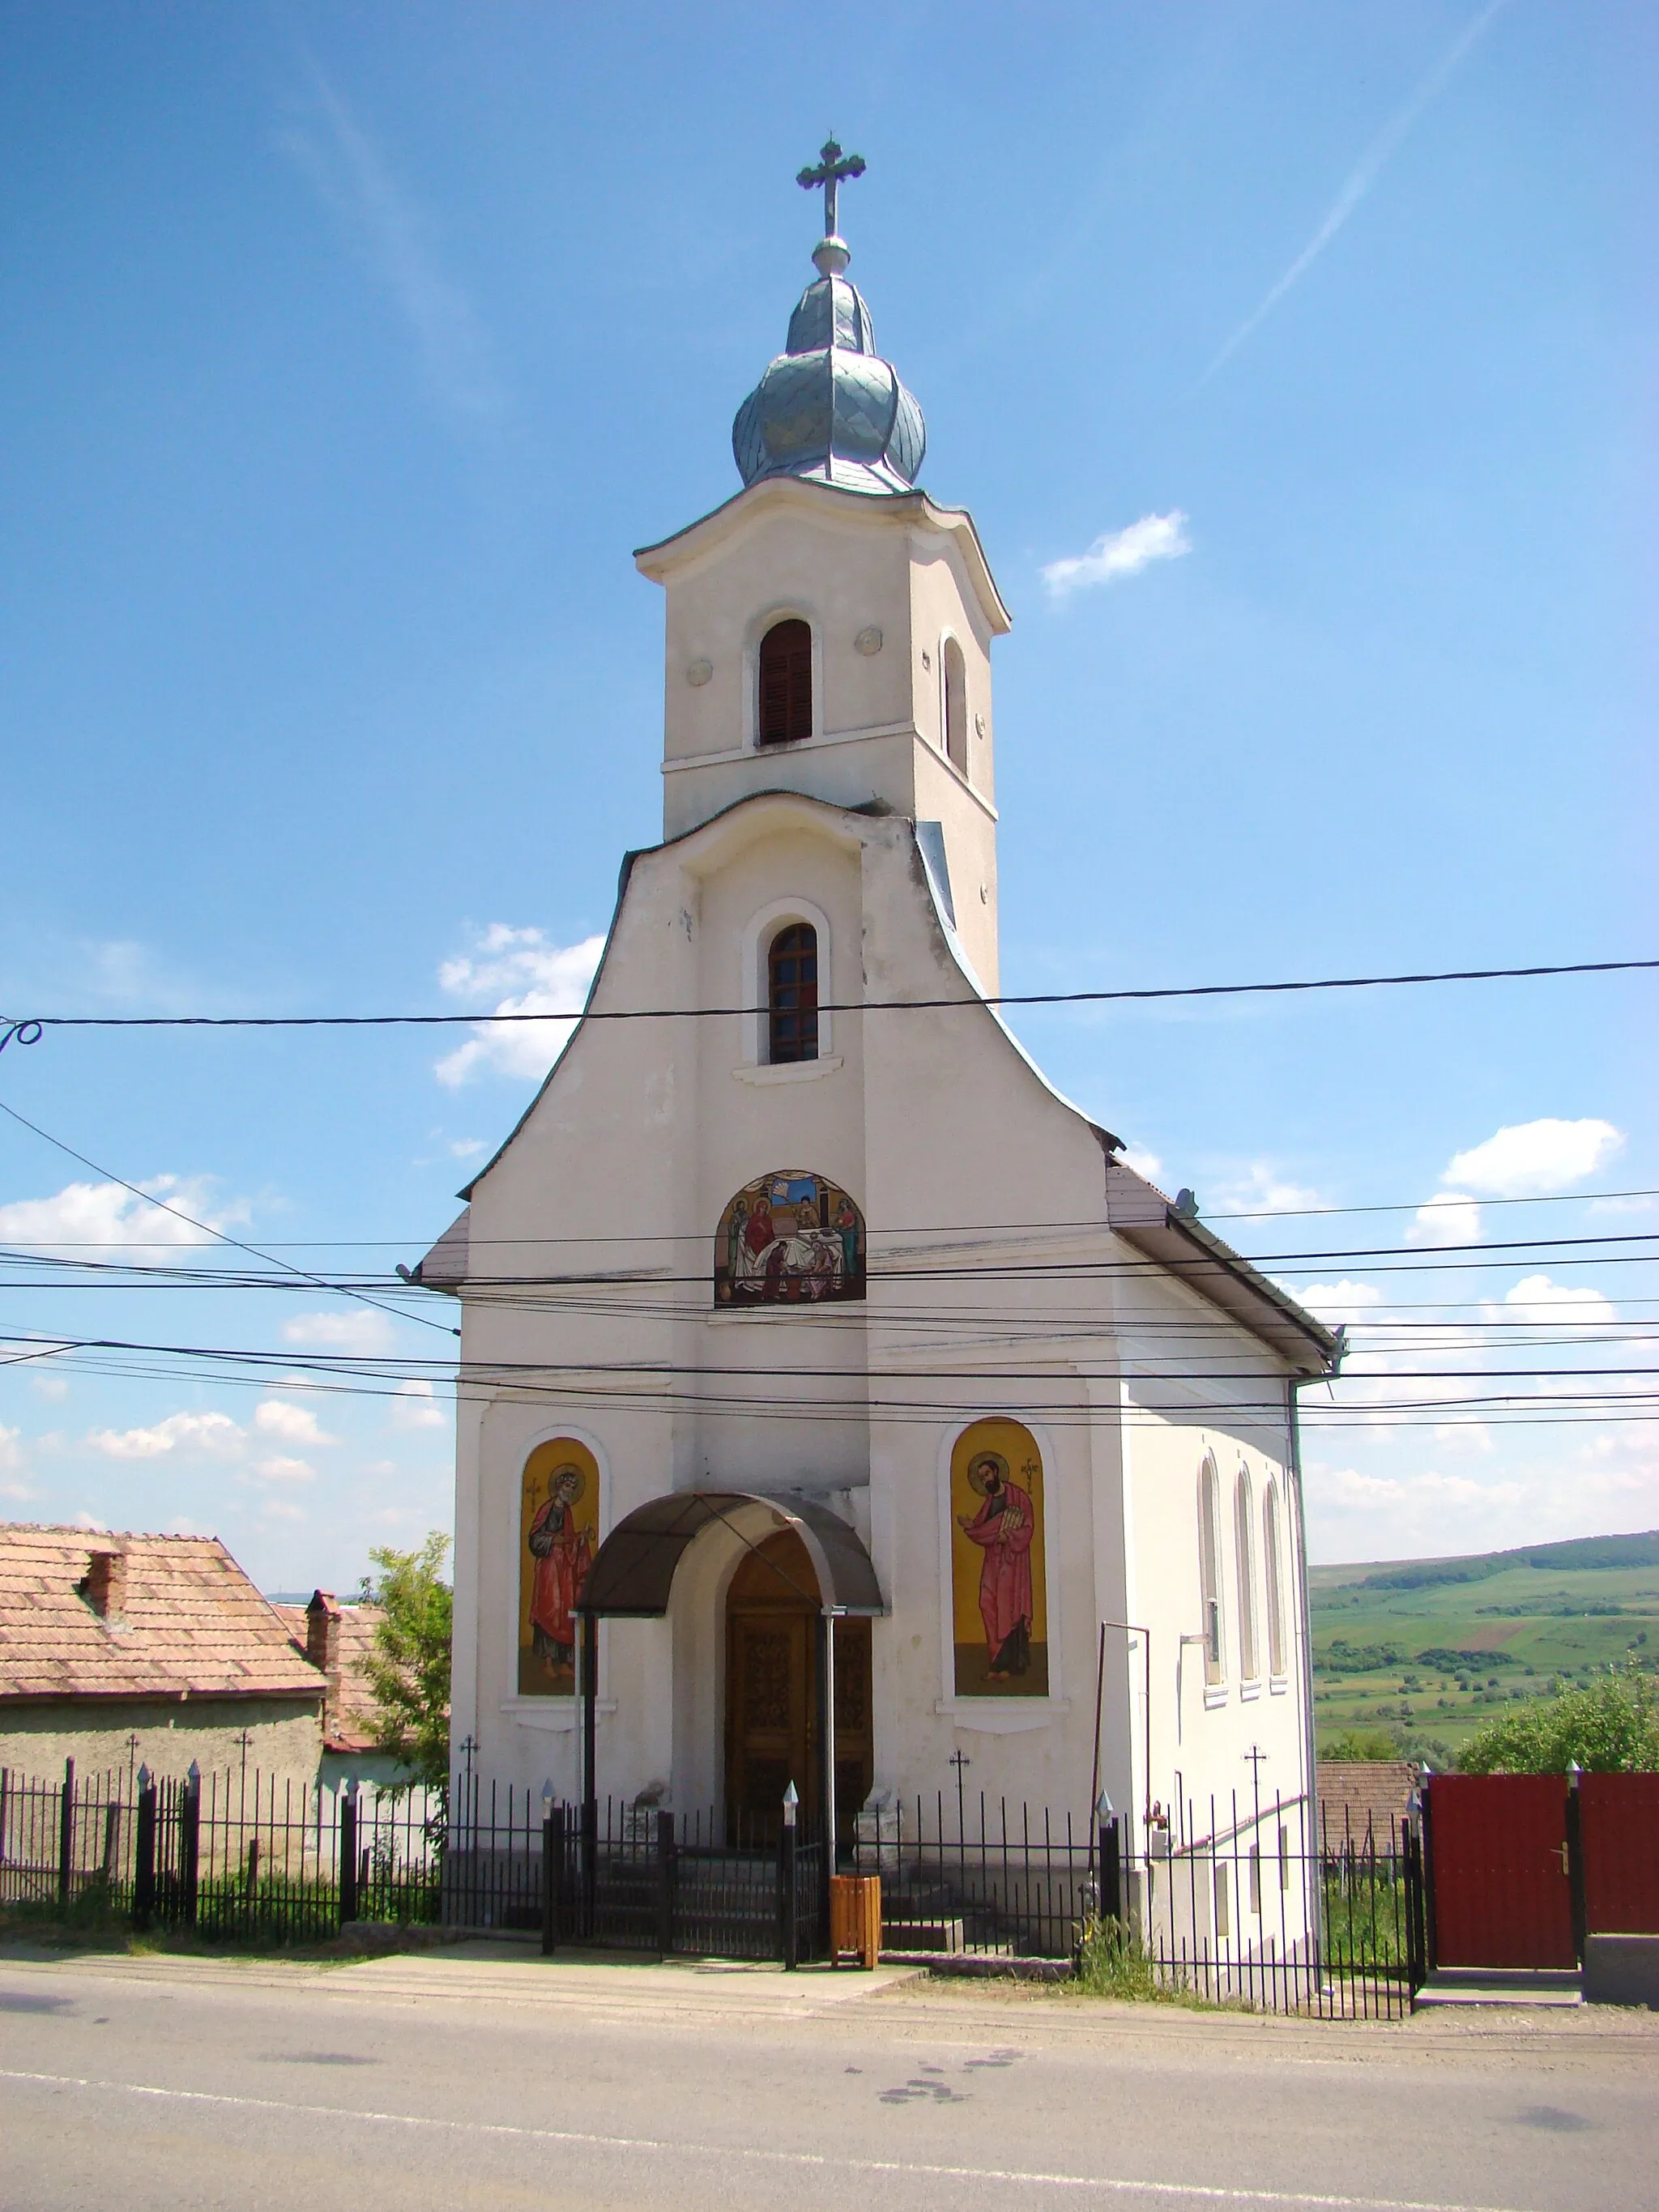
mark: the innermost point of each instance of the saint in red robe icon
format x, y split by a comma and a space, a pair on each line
1003, 1527
563, 1553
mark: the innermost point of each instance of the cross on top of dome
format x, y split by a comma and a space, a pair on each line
829, 407
833, 165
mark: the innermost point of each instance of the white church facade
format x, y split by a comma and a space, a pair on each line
837, 1407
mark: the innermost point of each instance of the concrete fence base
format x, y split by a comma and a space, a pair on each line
1622, 1970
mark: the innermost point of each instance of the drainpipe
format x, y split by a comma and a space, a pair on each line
1304, 1619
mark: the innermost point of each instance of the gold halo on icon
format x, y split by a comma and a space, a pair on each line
571, 1479
976, 1481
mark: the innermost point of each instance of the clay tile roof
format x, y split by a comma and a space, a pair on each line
190, 1622
1356, 1793
349, 1719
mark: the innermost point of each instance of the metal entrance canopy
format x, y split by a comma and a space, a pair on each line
633, 1569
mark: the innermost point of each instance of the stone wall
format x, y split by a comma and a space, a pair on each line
285, 1737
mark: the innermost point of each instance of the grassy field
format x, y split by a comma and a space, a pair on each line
1428, 1649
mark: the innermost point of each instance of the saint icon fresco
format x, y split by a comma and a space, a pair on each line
559, 1523
998, 1569
789, 1238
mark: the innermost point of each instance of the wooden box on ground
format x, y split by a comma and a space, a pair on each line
855, 1917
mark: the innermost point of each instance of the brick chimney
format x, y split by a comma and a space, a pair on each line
104, 1585
323, 1644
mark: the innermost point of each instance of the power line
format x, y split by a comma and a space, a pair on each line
206, 1228
20, 1030
703, 1236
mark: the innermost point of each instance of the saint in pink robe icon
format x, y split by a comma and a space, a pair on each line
1003, 1527
563, 1554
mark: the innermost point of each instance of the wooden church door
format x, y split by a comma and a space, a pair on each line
773, 1623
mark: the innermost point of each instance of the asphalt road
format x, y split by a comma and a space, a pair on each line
478, 2080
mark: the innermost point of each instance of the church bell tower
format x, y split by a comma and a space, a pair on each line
830, 628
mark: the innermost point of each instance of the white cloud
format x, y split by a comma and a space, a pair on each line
1451, 1216
1534, 1159
1121, 553
295, 1425
1558, 1305
1263, 1190
11, 1466
1359, 182
363, 1330
108, 1215
215, 1434
414, 1407
50, 1386
352, 176
468, 1148
535, 977
283, 1508
1338, 1301
91, 1523
282, 1470
1142, 1162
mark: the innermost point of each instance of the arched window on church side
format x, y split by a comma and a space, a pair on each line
1244, 1549
792, 987
786, 684
956, 705
1270, 1540
1209, 1571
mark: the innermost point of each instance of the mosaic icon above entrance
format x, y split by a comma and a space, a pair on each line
789, 1238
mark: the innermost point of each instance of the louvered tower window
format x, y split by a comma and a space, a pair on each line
793, 993
786, 684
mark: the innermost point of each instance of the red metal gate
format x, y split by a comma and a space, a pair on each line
1498, 1870
1619, 1836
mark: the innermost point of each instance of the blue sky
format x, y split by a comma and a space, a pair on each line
1296, 363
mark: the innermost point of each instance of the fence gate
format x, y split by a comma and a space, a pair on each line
1497, 1868
1618, 1838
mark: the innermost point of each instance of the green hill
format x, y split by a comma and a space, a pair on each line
1425, 1650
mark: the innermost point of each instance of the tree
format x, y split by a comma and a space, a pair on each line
1609, 1726
408, 1669
1361, 1745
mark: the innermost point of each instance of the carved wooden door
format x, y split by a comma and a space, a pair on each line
770, 1717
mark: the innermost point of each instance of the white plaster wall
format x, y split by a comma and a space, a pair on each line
845, 566
937, 1124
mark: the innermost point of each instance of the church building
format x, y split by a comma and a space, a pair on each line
837, 1407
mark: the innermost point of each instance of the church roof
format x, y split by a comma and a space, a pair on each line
829, 408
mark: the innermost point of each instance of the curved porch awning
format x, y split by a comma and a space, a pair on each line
633, 1571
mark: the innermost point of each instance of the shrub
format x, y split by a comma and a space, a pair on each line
1609, 1725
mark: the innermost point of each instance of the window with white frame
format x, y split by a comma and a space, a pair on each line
1244, 1561
955, 671
1209, 1571
1273, 1557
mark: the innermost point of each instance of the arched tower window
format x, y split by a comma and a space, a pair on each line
956, 705
1209, 1569
1271, 1547
791, 989
1245, 1550
786, 684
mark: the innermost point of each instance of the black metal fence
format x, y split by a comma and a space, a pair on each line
1237, 1906
637, 1877
1243, 1906
65, 1844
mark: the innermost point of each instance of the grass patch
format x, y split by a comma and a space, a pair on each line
1111, 1963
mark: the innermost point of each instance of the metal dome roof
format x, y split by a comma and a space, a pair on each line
829, 408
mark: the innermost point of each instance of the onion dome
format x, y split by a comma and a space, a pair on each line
829, 408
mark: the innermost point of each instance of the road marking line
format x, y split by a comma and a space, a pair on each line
918, 2168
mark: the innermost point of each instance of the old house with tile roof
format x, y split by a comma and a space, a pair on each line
338, 1640
119, 1651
